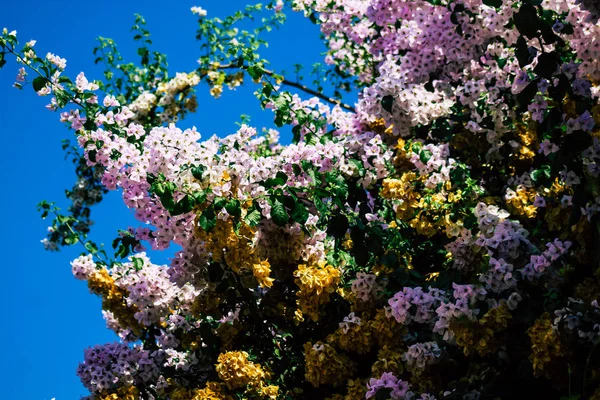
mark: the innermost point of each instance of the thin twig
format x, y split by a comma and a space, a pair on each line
312, 92
297, 85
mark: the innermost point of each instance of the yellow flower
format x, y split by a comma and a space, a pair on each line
261, 271
113, 299
520, 202
480, 335
357, 338
270, 392
325, 366
402, 189
212, 391
388, 360
316, 283
237, 371
123, 393
545, 344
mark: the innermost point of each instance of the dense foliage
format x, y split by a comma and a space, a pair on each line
437, 239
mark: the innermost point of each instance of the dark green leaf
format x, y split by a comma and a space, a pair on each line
219, 203
546, 65
526, 95
279, 214
253, 218
234, 208
425, 156
138, 263
39, 83
527, 20
522, 52
208, 220
197, 171
493, 3
299, 213
387, 103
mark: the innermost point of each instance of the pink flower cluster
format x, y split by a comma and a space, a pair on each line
419, 355
414, 304
116, 364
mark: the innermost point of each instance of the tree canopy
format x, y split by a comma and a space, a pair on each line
435, 238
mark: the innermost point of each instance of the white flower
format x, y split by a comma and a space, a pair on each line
199, 11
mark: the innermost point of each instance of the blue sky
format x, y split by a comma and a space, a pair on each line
49, 317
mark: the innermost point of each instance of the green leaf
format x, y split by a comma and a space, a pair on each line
526, 95
546, 65
185, 205
208, 219
527, 20
39, 83
425, 156
493, 3
197, 171
279, 180
542, 173
255, 71
299, 213
253, 218
71, 239
219, 203
522, 52
199, 196
567, 29
387, 103
279, 214
91, 247
281, 175
62, 97
297, 170
138, 263
234, 208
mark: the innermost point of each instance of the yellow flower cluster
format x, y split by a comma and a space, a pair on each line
386, 331
479, 335
316, 283
582, 232
262, 272
236, 370
589, 289
227, 333
545, 344
356, 389
379, 126
212, 391
174, 95
325, 366
207, 301
520, 201
219, 78
113, 299
526, 132
237, 250
123, 393
402, 189
388, 360
357, 338
425, 213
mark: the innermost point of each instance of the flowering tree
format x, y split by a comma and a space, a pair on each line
437, 239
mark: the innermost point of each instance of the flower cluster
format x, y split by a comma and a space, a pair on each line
437, 237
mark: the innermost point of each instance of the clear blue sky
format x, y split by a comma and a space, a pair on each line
49, 317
